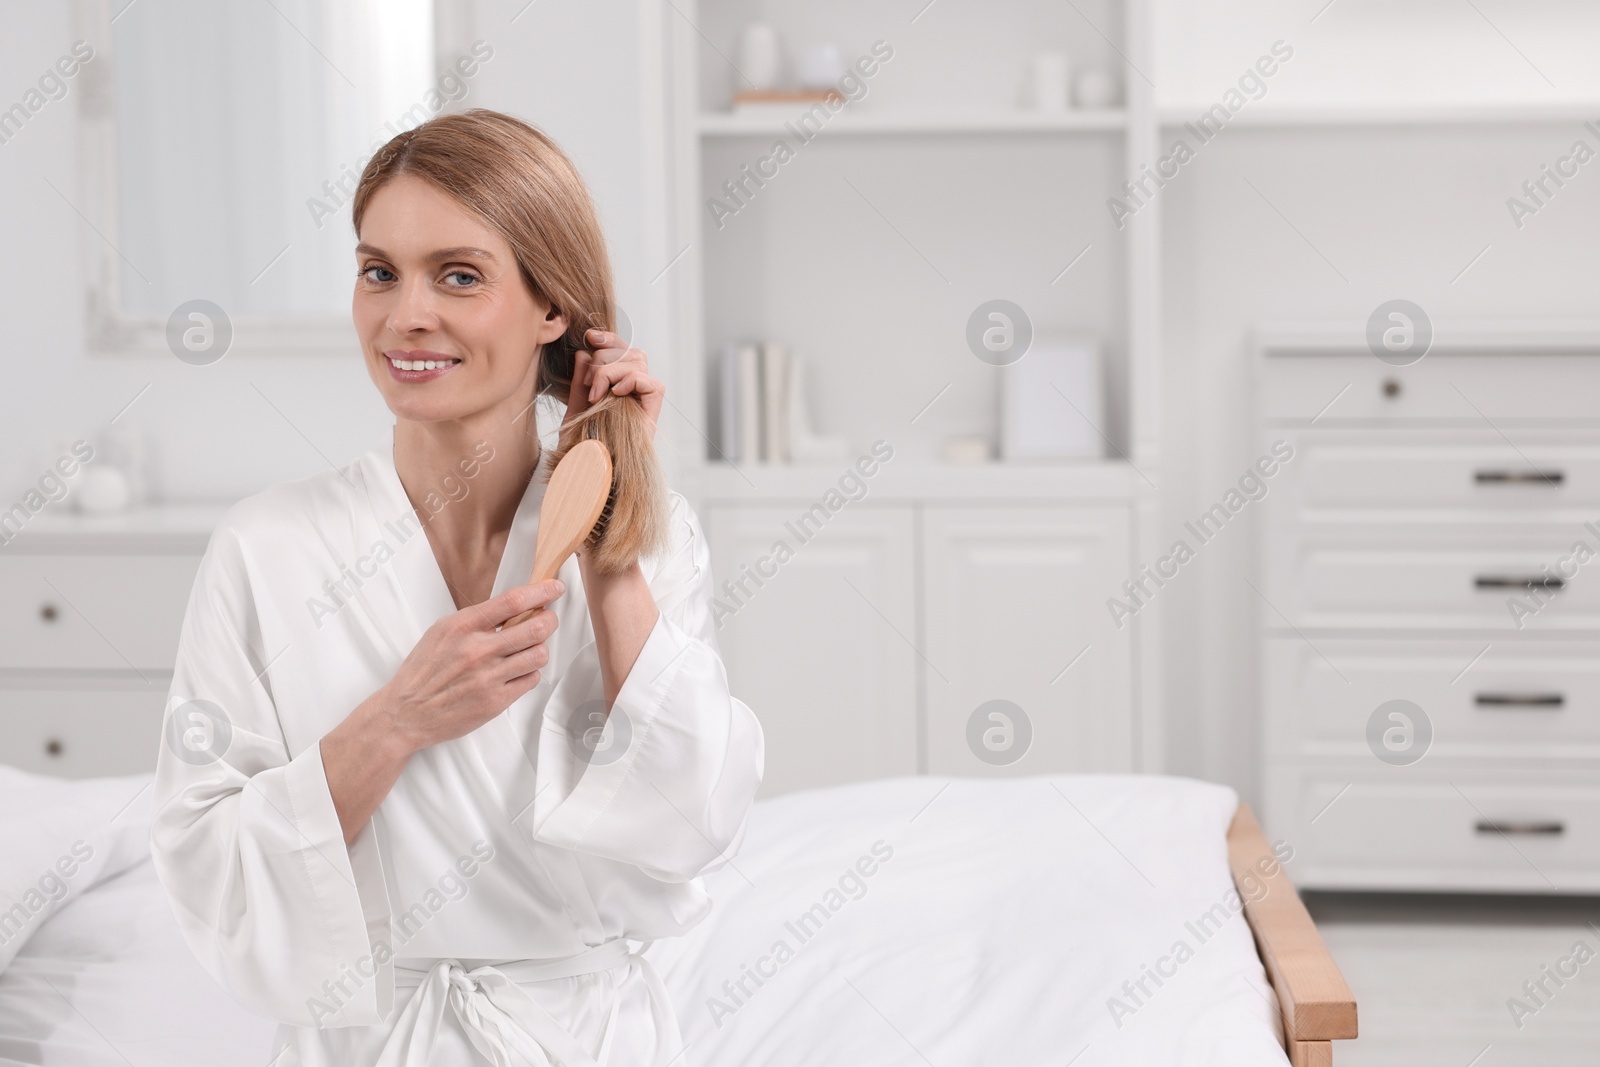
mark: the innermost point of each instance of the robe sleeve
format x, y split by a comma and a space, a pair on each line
669, 786
244, 835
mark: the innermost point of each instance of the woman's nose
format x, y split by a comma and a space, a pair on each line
413, 311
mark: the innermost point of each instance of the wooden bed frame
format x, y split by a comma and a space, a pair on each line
1317, 1005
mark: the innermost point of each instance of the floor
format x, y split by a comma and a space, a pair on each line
1434, 977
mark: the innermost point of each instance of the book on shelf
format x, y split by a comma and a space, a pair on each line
739, 403
762, 410
774, 387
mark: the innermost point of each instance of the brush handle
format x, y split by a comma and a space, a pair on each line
572, 505
542, 572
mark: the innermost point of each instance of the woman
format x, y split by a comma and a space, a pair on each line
382, 819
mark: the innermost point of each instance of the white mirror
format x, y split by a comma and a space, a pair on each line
221, 145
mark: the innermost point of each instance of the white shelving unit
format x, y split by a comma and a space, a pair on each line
731, 124
866, 253
1380, 114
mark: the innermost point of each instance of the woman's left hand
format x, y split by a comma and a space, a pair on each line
613, 366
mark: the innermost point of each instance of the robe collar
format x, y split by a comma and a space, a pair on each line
413, 576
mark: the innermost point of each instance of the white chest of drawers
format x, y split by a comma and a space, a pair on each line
1422, 505
90, 612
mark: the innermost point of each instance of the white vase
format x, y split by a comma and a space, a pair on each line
820, 66
102, 489
760, 58
805, 445
1094, 89
1048, 82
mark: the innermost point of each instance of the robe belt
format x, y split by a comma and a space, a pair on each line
503, 1021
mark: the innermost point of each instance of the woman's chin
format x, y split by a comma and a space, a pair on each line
414, 408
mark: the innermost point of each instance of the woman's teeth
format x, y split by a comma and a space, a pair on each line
423, 364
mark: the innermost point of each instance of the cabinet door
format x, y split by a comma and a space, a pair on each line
97, 731
1016, 612
93, 612
821, 649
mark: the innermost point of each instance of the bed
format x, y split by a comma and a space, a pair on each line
1065, 919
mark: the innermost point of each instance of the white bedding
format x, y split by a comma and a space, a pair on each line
1008, 915
994, 923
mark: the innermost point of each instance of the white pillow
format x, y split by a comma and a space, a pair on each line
59, 837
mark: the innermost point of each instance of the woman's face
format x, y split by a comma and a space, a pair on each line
435, 285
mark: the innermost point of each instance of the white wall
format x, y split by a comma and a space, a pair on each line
1383, 51
214, 434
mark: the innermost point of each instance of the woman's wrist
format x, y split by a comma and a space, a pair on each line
377, 728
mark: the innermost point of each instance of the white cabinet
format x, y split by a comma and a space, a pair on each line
868, 652
1430, 659
1014, 612
90, 612
822, 649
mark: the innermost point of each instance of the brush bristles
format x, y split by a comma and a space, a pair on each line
634, 521
606, 512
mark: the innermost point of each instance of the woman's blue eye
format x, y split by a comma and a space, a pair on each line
468, 275
370, 274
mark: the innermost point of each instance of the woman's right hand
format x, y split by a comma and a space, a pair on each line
465, 670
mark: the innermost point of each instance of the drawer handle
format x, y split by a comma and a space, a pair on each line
54, 747
1550, 478
1507, 581
1540, 829
1521, 700
49, 612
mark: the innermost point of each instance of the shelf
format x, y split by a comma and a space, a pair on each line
906, 479
156, 528
764, 123
1377, 114
1450, 337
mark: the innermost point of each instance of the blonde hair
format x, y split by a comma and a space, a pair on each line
523, 186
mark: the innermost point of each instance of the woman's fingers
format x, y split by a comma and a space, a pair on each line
606, 341
618, 368
532, 631
609, 348
525, 662
513, 688
578, 391
617, 378
606, 377
496, 611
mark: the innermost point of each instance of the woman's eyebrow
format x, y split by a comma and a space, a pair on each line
438, 256
460, 252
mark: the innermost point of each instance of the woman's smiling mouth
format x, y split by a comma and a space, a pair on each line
418, 365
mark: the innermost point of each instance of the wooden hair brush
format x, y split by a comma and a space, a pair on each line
574, 510
636, 527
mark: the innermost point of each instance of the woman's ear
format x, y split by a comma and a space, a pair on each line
553, 326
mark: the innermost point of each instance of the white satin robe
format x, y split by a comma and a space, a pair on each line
509, 844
